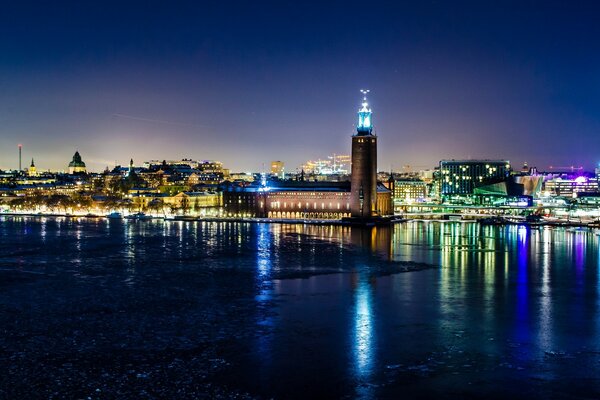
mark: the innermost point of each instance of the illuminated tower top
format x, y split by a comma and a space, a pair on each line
365, 123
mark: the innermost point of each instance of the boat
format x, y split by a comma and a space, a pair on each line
114, 215
139, 216
533, 218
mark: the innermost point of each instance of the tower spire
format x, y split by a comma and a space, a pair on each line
365, 125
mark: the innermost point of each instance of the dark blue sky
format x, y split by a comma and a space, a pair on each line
251, 82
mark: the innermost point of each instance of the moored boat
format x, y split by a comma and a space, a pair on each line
139, 216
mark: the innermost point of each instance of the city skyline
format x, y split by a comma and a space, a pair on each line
514, 81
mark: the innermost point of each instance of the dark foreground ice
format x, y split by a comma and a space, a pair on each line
109, 309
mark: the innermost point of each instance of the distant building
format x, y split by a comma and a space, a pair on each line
570, 186
336, 164
77, 166
461, 177
409, 190
241, 176
32, 171
278, 169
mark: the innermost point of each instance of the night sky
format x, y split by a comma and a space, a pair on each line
250, 82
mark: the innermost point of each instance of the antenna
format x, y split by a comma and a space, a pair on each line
20, 147
364, 92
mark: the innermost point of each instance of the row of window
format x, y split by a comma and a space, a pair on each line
278, 205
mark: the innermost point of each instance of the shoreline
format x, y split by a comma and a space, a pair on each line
187, 219
324, 222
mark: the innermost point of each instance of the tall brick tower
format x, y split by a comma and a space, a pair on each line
363, 198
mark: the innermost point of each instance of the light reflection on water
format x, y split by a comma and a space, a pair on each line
363, 335
497, 303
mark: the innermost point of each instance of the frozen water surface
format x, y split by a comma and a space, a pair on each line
117, 309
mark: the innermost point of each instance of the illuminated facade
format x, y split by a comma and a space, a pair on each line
410, 190
32, 170
297, 200
461, 177
277, 169
336, 164
363, 198
570, 187
194, 203
310, 202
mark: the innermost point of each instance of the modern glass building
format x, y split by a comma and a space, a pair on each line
461, 177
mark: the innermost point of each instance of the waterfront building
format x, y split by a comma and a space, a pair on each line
502, 192
409, 190
77, 166
570, 186
297, 200
461, 177
588, 200
363, 199
207, 203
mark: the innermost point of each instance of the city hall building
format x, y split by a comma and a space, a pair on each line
298, 200
362, 197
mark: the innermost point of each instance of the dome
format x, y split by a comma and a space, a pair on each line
77, 162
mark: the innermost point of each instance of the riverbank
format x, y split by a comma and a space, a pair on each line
201, 219
331, 222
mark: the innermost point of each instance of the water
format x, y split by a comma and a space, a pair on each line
118, 309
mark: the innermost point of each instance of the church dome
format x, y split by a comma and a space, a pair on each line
77, 162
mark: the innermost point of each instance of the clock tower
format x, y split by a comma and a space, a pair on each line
363, 197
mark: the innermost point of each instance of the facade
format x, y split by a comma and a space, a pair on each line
195, 203
409, 190
570, 186
461, 177
363, 198
532, 184
77, 166
297, 200
242, 201
306, 201
277, 169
